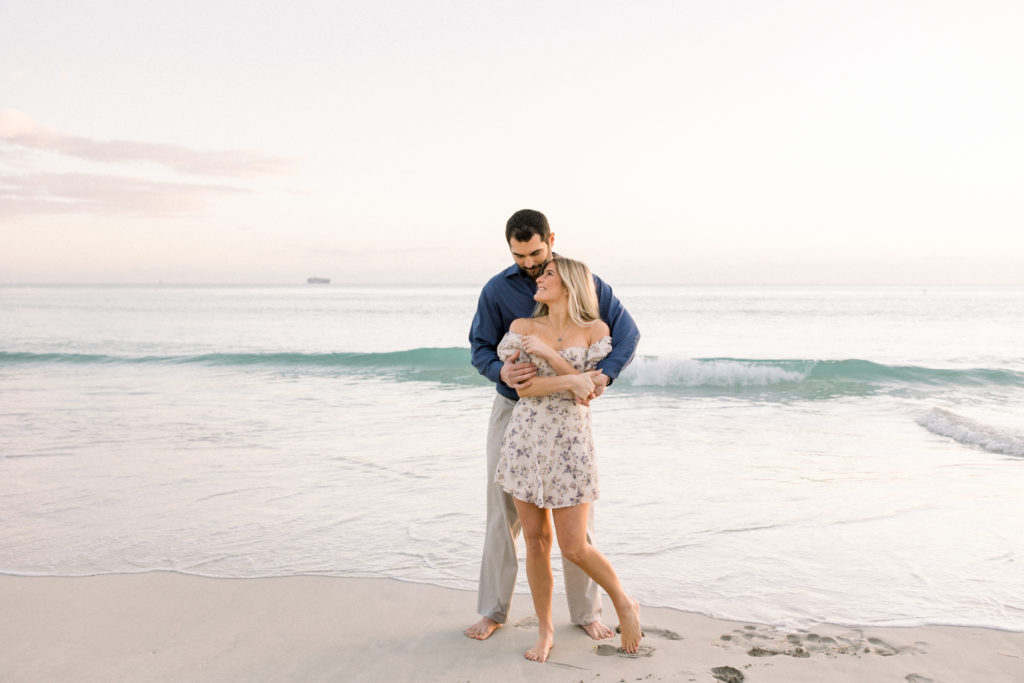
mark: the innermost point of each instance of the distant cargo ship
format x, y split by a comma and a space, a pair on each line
319, 280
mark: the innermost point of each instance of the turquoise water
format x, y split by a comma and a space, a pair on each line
778, 454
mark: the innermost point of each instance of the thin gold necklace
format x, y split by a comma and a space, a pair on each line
557, 333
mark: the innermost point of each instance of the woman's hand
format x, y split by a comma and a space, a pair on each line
534, 346
600, 381
582, 386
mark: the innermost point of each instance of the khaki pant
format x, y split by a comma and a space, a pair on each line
499, 563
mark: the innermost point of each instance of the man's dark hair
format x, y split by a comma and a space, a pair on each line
526, 223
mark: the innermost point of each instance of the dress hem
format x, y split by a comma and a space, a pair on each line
553, 507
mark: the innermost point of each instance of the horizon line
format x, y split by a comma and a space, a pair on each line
163, 283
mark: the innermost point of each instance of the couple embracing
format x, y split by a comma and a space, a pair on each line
552, 337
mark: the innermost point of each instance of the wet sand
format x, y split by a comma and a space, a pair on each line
171, 627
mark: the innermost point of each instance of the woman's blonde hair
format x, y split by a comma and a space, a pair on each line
578, 281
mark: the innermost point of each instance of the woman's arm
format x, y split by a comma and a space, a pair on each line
580, 384
568, 378
534, 346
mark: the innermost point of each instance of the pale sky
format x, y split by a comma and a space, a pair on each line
375, 142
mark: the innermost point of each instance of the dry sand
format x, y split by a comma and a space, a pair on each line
171, 627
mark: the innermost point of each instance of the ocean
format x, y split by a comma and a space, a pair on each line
784, 455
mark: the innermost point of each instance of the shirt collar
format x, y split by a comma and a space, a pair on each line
515, 271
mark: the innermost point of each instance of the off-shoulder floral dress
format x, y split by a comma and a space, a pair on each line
547, 455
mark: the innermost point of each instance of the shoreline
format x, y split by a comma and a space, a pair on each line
559, 594
166, 626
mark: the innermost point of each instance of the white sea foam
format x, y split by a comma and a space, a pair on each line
970, 432
687, 372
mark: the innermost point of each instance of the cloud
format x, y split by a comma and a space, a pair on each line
25, 189
60, 193
21, 130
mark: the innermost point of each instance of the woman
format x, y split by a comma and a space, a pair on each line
547, 456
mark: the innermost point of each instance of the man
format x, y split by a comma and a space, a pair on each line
505, 297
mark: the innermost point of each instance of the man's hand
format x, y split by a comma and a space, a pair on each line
600, 384
517, 375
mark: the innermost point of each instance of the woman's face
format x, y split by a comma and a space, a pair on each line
549, 285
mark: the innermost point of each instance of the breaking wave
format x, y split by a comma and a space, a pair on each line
452, 366
991, 438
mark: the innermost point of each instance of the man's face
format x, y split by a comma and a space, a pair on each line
532, 255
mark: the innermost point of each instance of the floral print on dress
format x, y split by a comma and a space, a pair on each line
547, 455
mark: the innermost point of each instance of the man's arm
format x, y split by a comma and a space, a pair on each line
484, 335
625, 334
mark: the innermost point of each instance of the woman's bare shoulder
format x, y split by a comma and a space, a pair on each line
521, 326
599, 330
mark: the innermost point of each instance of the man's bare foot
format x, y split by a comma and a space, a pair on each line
539, 652
482, 629
629, 625
597, 630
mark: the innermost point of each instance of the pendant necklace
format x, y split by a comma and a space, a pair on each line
557, 333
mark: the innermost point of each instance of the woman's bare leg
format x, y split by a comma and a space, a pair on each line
571, 526
539, 539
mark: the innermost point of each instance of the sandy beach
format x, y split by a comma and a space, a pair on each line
172, 627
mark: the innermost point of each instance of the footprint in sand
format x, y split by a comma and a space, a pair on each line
803, 644
880, 647
645, 650
655, 631
727, 674
610, 650
661, 633
527, 623
798, 652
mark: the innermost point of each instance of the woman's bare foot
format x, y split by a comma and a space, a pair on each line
597, 630
482, 629
629, 625
539, 652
